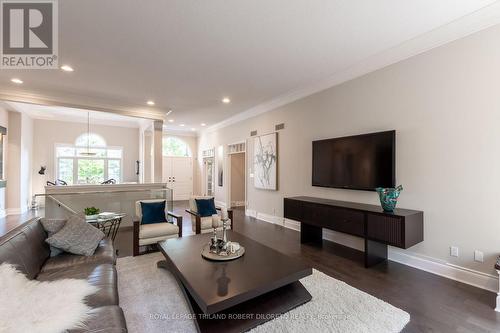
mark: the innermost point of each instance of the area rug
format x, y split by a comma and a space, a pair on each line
153, 302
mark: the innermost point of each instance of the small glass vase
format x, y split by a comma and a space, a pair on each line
389, 197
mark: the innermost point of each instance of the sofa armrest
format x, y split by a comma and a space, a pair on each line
178, 221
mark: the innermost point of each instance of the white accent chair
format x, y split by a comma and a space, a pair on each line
147, 234
203, 225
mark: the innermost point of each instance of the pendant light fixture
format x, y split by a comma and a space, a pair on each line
88, 152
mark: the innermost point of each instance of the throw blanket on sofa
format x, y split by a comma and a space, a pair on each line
43, 307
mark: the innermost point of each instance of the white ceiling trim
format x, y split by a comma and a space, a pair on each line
479, 20
30, 98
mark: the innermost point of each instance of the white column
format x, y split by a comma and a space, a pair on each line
157, 151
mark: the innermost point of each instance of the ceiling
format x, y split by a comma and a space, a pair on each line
187, 55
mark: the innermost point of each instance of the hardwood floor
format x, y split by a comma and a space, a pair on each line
10, 222
435, 304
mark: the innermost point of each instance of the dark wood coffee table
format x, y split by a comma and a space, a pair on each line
237, 295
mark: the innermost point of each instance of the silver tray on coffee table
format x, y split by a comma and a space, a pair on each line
205, 253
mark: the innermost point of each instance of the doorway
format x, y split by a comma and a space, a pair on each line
178, 174
237, 181
208, 171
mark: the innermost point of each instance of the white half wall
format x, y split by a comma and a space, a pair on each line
444, 105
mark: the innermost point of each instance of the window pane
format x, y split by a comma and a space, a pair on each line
173, 146
92, 139
97, 152
90, 171
115, 153
65, 151
114, 170
65, 169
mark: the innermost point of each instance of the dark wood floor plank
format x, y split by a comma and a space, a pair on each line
435, 304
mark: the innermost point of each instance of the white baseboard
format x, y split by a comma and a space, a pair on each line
291, 224
251, 213
444, 269
435, 266
270, 218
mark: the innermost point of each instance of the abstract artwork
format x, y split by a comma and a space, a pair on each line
265, 157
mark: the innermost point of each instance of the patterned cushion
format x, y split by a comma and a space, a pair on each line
52, 226
77, 237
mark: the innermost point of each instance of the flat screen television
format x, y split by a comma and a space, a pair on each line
360, 162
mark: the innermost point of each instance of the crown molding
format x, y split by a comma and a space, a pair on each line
481, 19
91, 104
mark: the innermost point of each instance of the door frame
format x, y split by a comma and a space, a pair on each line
228, 175
204, 188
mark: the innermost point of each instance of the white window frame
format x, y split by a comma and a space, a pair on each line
75, 159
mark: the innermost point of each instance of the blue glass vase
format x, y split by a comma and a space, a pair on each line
389, 197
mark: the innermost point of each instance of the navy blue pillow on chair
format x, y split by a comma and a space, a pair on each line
153, 212
205, 207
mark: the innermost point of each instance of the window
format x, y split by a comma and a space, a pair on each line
75, 166
173, 146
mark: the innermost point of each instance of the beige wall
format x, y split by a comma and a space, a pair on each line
47, 133
237, 178
444, 105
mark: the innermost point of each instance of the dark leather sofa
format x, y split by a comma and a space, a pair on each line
25, 247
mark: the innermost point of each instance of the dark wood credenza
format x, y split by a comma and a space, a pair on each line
403, 228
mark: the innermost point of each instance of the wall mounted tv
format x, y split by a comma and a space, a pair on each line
360, 162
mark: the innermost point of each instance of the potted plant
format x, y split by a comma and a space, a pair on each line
91, 213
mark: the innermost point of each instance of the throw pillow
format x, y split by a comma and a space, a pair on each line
77, 237
153, 212
206, 207
42, 307
52, 226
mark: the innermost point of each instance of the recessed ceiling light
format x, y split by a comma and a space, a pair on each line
203, 124
16, 81
67, 68
150, 103
170, 120
226, 100
181, 125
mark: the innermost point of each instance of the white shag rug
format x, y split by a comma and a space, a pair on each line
42, 307
153, 302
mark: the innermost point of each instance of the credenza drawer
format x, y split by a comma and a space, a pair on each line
334, 218
348, 221
292, 209
386, 229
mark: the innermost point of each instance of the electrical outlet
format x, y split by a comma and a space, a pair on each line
478, 256
453, 251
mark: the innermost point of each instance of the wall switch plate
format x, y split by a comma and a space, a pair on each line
478, 256
453, 251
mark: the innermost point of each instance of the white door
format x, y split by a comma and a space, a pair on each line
178, 174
